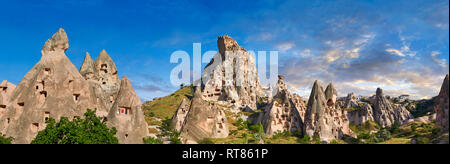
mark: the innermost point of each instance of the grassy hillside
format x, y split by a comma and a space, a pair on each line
165, 107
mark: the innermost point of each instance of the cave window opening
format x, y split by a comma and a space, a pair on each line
46, 116
47, 71
76, 97
34, 127
44, 93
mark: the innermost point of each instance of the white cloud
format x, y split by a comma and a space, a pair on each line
395, 52
283, 47
437, 60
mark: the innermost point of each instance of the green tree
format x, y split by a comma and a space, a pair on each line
152, 140
167, 131
89, 130
5, 140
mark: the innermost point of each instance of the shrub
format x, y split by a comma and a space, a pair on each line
152, 140
383, 135
5, 140
436, 131
167, 131
413, 127
89, 130
304, 140
334, 142
206, 141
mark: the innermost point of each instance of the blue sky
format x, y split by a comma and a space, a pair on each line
401, 46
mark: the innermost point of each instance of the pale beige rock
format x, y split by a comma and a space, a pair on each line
88, 67
204, 120
126, 115
180, 115
387, 113
283, 113
360, 116
52, 88
6, 89
350, 101
324, 118
102, 77
231, 76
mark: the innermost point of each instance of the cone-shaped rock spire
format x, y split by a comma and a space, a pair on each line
387, 113
88, 67
324, 119
106, 68
204, 120
127, 116
331, 95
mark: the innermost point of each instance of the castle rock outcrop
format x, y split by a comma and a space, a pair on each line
231, 76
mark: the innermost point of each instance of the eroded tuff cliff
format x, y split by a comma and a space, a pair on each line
441, 106
387, 113
284, 112
180, 115
324, 118
101, 75
231, 76
6, 89
127, 116
358, 112
204, 120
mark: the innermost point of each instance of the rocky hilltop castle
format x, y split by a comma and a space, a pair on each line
54, 88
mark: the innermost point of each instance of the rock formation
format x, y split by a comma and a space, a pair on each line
54, 88
127, 116
6, 89
324, 118
441, 106
350, 101
387, 113
102, 77
283, 114
204, 120
358, 112
180, 115
361, 115
231, 75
